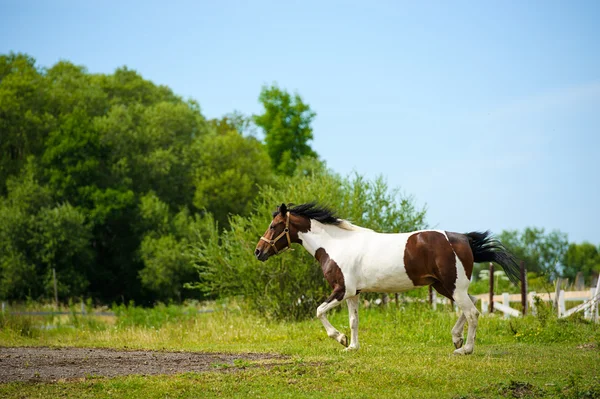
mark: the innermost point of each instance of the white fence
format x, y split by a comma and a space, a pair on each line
589, 306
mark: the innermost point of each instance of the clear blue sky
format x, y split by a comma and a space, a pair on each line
487, 112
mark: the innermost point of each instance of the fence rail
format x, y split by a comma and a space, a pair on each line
589, 306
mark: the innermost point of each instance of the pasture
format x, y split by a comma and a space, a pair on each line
405, 352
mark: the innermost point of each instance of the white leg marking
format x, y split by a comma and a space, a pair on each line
459, 327
457, 331
470, 312
353, 315
331, 330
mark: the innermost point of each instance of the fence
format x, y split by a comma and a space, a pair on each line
589, 306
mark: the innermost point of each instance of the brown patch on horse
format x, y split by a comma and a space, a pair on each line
333, 274
429, 260
298, 224
462, 248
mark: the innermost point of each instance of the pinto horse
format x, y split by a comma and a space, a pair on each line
355, 259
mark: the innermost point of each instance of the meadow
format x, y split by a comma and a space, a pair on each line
406, 352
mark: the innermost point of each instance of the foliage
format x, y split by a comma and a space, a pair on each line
24, 119
581, 258
286, 125
38, 235
291, 286
80, 154
166, 247
542, 252
229, 169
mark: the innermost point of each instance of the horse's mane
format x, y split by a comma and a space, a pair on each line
322, 214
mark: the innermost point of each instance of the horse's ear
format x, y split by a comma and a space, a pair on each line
283, 209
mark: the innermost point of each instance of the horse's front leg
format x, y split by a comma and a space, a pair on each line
353, 315
322, 310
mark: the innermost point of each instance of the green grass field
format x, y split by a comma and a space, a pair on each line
404, 354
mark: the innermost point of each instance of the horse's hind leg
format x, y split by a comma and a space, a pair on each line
457, 331
332, 332
470, 314
459, 327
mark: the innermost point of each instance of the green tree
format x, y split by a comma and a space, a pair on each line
24, 119
542, 252
286, 123
229, 169
38, 235
165, 249
584, 258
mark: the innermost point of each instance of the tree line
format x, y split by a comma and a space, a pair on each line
129, 192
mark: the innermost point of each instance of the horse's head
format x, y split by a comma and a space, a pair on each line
280, 235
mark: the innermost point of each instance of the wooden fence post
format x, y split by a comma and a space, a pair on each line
556, 295
55, 289
595, 302
561, 303
506, 302
491, 304
523, 288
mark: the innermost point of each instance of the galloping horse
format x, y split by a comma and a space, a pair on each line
355, 259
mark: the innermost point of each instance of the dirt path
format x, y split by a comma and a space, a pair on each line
53, 364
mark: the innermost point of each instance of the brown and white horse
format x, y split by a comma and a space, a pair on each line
356, 259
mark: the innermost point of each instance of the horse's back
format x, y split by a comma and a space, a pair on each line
403, 261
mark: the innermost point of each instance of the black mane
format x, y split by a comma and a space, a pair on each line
317, 212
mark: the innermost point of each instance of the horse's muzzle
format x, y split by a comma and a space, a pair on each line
260, 255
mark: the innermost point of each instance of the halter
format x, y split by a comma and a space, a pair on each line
285, 232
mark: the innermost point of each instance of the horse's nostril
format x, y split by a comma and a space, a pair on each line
256, 252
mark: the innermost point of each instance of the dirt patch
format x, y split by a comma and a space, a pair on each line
54, 364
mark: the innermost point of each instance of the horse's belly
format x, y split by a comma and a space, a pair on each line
390, 280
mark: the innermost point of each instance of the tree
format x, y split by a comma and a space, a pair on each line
584, 258
229, 169
286, 125
165, 249
38, 235
24, 118
542, 252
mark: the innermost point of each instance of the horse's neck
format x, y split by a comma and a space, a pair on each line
321, 236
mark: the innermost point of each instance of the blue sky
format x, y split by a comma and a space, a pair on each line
487, 112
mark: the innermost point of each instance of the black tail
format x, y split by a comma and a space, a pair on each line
487, 248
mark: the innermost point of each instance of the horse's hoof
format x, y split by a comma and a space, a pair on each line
459, 343
463, 351
344, 340
351, 348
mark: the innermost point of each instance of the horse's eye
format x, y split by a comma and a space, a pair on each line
271, 227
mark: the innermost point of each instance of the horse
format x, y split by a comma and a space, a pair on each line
355, 259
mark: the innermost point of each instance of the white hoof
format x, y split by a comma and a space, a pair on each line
351, 348
463, 351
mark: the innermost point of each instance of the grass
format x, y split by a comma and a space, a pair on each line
404, 354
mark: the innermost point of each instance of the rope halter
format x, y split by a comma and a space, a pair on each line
285, 232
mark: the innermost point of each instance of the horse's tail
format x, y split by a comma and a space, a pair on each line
487, 248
